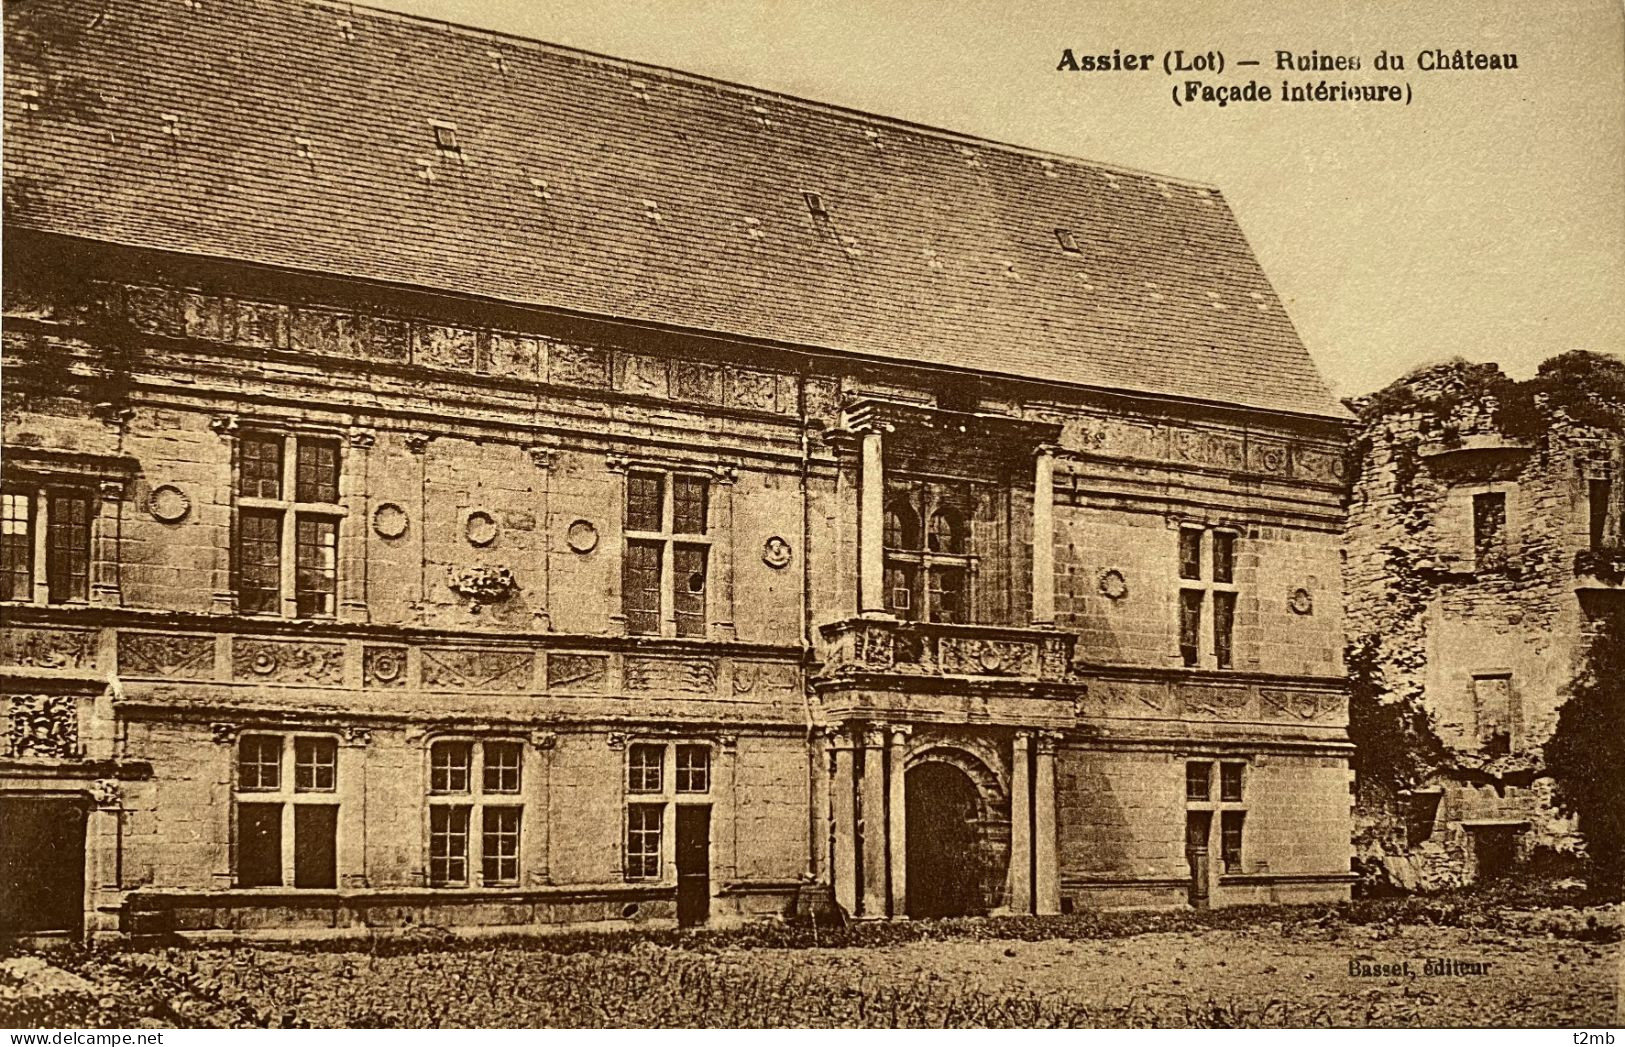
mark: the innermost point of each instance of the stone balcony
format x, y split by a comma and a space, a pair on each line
888, 645
1600, 569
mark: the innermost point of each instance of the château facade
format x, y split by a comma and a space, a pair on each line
456, 480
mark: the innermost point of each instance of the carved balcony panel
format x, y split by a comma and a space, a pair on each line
882, 645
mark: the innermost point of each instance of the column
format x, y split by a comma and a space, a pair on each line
354, 527
874, 822
818, 757
722, 553
105, 527
1046, 866
725, 824
612, 542
218, 516
352, 797
844, 871
1044, 536
1021, 826
872, 527
536, 835
897, 806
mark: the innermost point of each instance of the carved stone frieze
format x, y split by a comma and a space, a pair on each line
477, 669
287, 661
979, 656
1302, 705
48, 648
766, 679
383, 666
1214, 701
569, 673
167, 655
43, 725
684, 675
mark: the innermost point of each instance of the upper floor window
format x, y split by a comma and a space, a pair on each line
929, 562
1493, 710
287, 525
664, 572
45, 544
1489, 528
1600, 496
1207, 591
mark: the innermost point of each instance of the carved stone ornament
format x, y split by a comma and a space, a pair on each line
389, 520
417, 443
483, 585
223, 733
1301, 602
542, 741
582, 537
776, 553
106, 792
356, 736
383, 666
480, 528
44, 725
168, 503
1113, 586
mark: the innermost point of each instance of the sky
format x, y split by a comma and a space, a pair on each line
1486, 219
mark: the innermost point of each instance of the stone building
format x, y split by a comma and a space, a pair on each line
456, 480
1483, 548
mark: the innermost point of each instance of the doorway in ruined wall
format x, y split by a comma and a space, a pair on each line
957, 837
42, 865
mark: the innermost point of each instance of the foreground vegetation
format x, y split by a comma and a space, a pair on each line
1227, 967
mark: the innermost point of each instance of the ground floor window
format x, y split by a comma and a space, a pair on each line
659, 775
286, 824
476, 810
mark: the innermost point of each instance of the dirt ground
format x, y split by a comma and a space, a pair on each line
1522, 981
1268, 974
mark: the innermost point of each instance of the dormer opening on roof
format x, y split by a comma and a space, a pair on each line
445, 136
1068, 240
815, 204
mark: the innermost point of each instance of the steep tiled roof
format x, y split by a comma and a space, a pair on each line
302, 134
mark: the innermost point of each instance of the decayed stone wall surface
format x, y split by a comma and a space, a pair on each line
1452, 626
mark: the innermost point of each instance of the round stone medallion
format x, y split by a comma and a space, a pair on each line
582, 536
1113, 586
481, 528
389, 520
169, 503
776, 553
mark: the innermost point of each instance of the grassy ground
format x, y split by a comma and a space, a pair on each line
1553, 960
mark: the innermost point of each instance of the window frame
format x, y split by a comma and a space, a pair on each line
671, 794
287, 795
675, 617
469, 804
1220, 804
909, 550
41, 577
292, 596
1206, 607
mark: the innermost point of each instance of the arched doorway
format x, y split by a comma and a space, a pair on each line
945, 839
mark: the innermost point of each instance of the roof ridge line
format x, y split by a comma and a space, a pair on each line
946, 133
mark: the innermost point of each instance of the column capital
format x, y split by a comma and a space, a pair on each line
1046, 450
1047, 742
841, 735
874, 737
1023, 738
362, 439
543, 741
418, 443
541, 456
900, 732
355, 736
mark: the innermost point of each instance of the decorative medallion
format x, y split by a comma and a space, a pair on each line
1301, 602
168, 503
1113, 586
776, 553
383, 666
582, 536
389, 520
480, 528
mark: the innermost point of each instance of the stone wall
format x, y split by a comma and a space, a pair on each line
1445, 614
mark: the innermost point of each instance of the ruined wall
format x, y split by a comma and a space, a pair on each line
1467, 631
